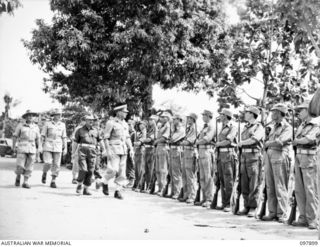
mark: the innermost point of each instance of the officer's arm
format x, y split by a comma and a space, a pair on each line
286, 137
107, 134
209, 135
257, 136
310, 138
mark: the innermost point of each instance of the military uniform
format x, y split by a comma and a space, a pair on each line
28, 137
306, 173
176, 156
206, 160
54, 136
250, 170
227, 159
277, 167
75, 156
189, 166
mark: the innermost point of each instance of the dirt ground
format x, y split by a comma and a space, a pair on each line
46, 213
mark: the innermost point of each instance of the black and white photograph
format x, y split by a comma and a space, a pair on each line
159, 120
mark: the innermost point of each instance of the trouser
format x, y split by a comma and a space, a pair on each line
139, 161
250, 177
53, 160
75, 161
277, 170
176, 170
87, 161
226, 163
149, 164
97, 167
306, 187
206, 170
130, 168
24, 164
162, 162
189, 174
116, 168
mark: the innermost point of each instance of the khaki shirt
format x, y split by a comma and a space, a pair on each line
253, 131
229, 132
282, 132
208, 132
140, 136
309, 130
191, 134
55, 135
27, 134
178, 134
84, 135
117, 132
164, 131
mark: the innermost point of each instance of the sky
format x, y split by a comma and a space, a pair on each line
24, 81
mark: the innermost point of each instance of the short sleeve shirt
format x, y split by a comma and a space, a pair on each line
309, 130
191, 134
27, 134
208, 132
282, 132
253, 131
164, 131
84, 135
178, 134
228, 132
55, 135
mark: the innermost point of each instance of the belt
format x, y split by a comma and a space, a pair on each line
188, 147
226, 149
306, 151
175, 147
250, 150
148, 146
205, 146
87, 145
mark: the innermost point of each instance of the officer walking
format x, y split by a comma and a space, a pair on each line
227, 157
306, 168
28, 137
189, 167
176, 152
117, 142
251, 144
87, 138
277, 166
55, 142
206, 165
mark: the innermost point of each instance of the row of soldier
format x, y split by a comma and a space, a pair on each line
182, 152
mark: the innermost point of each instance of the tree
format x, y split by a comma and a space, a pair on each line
102, 52
9, 103
8, 6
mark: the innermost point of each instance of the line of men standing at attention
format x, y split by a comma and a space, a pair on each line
173, 160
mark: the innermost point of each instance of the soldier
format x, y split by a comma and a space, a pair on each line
55, 143
117, 142
87, 138
277, 166
162, 154
149, 150
206, 159
189, 167
227, 157
139, 155
251, 144
175, 155
306, 168
29, 143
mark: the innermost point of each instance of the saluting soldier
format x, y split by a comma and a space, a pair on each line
306, 168
176, 152
28, 137
189, 167
251, 144
86, 138
55, 145
277, 166
117, 142
206, 159
162, 153
227, 157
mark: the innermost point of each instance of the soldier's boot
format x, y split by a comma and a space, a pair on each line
79, 188
86, 191
200, 203
300, 223
53, 182
181, 194
18, 178
118, 195
105, 189
189, 201
74, 181
207, 204
44, 177
25, 183
312, 226
244, 211
269, 217
251, 212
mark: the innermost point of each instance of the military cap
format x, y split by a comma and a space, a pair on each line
304, 105
193, 115
178, 116
226, 112
89, 117
121, 108
28, 112
280, 107
166, 114
253, 110
56, 112
208, 113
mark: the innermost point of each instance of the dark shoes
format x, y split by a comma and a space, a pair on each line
299, 223
269, 217
312, 226
199, 203
26, 185
79, 188
118, 195
244, 211
183, 199
105, 189
251, 212
189, 201
44, 178
17, 183
86, 192
53, 184
219, 208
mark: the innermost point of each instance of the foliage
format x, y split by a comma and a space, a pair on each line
8, 6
